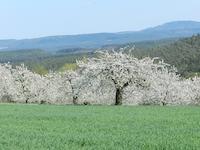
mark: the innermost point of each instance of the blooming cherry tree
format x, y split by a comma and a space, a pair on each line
123, 69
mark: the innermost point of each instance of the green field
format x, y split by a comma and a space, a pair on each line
98, 127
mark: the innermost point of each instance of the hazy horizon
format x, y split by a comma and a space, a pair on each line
23, 19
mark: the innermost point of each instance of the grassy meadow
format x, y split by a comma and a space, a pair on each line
98, 127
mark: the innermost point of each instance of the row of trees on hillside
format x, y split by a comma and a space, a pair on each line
110, 78
40, 61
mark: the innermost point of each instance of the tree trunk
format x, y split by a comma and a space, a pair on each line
164, 102
75, 100
118, 98
75, 97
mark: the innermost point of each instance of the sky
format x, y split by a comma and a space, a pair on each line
21, 19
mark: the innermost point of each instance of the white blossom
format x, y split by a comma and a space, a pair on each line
110, 78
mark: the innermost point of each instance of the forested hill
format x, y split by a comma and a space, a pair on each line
184, 54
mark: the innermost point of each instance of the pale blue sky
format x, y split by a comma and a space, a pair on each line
36, 18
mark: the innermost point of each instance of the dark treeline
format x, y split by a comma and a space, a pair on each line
183, 54
42, 62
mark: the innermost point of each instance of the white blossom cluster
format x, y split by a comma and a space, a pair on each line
111, 78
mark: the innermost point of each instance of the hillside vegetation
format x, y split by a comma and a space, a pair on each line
183, 54
42, 62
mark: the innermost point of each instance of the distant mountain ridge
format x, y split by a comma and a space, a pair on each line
176, 29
